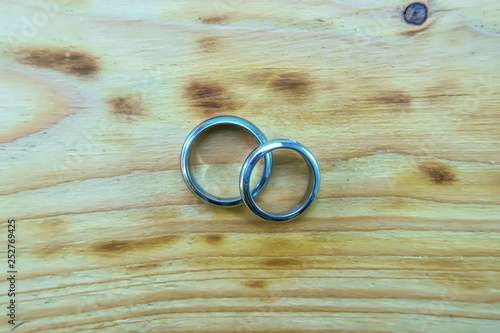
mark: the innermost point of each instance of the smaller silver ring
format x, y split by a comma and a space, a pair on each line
264, 150
186, 150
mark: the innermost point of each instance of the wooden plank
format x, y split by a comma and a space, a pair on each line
98, 97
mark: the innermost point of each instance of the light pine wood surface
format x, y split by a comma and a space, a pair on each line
97, 97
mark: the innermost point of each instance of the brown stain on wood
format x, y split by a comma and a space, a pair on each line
142, 267
281, 262
209, 97
127, 105
113, 246
214, 239
256, 284
438, 173
214, 20
395, 97
294, 85
66, 61
50, 251
375, 100
119, 247
208, 44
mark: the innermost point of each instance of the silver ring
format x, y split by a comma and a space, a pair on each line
186, 150
264, 150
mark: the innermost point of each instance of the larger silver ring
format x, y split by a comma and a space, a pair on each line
186, 150
264, 150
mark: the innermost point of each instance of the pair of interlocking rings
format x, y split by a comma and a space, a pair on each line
264, 150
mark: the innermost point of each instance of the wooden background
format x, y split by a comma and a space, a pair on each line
97, 97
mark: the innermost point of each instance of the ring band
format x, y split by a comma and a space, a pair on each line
186, 150
264, 150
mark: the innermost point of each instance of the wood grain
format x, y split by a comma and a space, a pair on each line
97, 98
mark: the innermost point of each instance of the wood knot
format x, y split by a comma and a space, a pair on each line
416, 13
